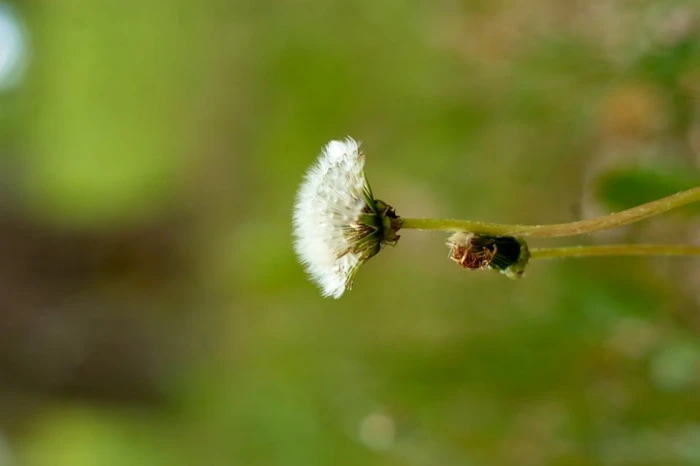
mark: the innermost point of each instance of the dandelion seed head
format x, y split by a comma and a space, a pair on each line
328, 229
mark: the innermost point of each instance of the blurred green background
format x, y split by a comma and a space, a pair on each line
152, 311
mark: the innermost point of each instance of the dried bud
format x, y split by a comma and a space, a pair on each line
506, 254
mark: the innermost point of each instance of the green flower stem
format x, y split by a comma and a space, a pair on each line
581, 227
615, 250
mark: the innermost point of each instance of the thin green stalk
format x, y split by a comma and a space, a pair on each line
582, 227
615, 250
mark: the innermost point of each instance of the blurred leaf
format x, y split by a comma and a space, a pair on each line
675, 366
624, 188
82, 436
666, 65
105, 144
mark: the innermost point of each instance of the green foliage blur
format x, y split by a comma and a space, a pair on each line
152, 311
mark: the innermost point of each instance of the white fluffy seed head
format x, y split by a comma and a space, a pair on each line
327, 214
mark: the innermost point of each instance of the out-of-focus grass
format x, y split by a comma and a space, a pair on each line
155, 313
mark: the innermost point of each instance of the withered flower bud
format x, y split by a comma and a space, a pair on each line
506, 254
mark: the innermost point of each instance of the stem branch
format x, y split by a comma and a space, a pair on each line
581, 227
615, 250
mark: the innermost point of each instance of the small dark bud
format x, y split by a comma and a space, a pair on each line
506, 254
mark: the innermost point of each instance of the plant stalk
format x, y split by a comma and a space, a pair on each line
581, 227
615, 250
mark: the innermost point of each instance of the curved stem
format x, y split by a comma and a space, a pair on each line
581, 227
615, 250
